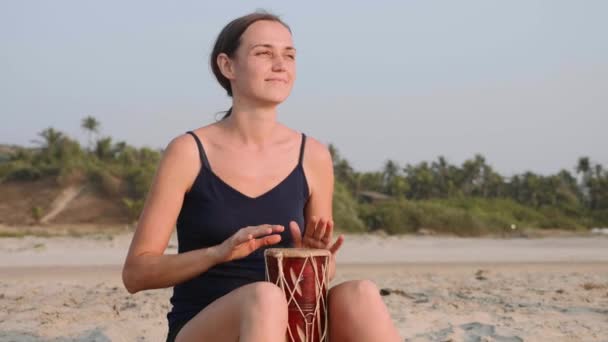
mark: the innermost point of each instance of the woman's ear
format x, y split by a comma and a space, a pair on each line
226, 66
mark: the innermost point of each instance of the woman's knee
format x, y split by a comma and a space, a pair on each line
265, 296
355, 289
363, 293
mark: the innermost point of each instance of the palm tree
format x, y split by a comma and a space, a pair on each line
369, 181
472, 175
419, 180
51, 138
56, 146
584, 167
391, 169
441, 173
91, 125
335, 156
343, 171
531, 186
103, 148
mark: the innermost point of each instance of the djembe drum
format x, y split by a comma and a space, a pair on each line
302, 274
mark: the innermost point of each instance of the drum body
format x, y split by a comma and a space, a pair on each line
302, 274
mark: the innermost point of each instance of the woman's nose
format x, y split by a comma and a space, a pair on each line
278, 63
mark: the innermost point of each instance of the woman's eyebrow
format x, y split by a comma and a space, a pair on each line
291, 48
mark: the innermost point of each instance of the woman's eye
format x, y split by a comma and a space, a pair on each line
291, 56
262, 53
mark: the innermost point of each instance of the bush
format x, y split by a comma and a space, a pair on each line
392, 216
105, 182
134, 207
345, 213
138, 181
37, 213
554, 218
454, 220
460, 216
24, 173
599, 218
71, 174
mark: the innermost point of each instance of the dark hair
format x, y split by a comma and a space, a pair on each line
229, 40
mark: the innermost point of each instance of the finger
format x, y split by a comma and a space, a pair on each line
308, 234
311, 226
320, 229
268, 240
336, 246
296, 234
276, 228
254, 244
241, 237
329, 232
261, 230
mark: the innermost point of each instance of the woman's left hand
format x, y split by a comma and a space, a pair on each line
318, 234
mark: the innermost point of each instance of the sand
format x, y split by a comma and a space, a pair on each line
436, 288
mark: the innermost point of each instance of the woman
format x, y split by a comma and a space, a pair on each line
231, 188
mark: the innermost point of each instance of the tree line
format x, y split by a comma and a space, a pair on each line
467, 199
114, 168
473, 197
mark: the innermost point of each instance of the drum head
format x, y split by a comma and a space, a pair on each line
296, 252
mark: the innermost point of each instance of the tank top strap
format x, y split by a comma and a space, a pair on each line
201, 150
302, 149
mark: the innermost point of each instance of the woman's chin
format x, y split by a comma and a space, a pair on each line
273, 99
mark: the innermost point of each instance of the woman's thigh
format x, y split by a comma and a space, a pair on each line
221, 320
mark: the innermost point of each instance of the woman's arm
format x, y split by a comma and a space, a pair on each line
146, 266
318, 213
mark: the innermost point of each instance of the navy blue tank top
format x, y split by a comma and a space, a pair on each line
213, 211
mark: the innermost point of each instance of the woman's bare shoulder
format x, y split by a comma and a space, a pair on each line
182, 147
182, 153
185, 144
181, 161
318, 165
316, 152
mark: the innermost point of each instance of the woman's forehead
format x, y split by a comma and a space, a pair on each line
267, 33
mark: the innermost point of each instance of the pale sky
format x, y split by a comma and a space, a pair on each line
525, 83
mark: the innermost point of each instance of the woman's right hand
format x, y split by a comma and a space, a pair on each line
247, 240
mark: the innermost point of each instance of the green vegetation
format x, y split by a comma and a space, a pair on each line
36, 213
115, 169
470, 199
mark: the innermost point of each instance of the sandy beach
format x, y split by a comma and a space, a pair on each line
436, 288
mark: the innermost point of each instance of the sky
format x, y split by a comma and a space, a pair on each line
524, 83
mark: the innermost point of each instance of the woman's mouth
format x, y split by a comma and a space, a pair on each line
276, 80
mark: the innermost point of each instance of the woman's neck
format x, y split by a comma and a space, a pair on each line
252, 126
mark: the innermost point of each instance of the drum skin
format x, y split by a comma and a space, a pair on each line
302, 274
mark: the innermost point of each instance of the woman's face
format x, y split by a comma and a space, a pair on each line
264, 67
